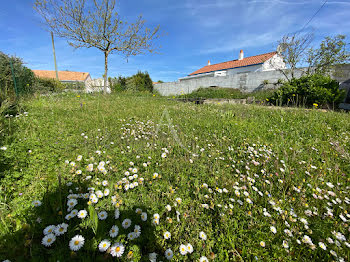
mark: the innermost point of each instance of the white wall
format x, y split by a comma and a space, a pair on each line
275, 62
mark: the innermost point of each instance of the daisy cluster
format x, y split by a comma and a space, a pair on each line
260, 194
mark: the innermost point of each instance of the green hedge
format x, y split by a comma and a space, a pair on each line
315, 90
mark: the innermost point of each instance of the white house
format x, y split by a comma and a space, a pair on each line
258, 63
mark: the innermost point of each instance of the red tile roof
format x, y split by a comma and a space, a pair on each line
248, 61
62, 75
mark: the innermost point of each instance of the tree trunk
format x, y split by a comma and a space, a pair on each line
105, 75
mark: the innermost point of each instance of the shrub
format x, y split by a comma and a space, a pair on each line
117, 84
24, 77
140, 82
309, 90
47, 85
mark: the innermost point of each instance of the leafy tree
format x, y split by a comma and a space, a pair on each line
296, 52
332, 51
97, 25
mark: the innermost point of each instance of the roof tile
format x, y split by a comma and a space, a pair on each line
252, 60
62, 75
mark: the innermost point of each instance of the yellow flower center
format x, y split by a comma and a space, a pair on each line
61, 229
117, 249
76, 242
49, 240
104, 245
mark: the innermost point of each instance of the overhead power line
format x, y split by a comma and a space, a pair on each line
313, 16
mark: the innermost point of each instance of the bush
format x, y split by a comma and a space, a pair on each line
117, 84
47, 85
309, 90
24, 77
140, 82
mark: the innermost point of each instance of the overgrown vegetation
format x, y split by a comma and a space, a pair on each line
307, 91
229, 182
139, 82
227, 93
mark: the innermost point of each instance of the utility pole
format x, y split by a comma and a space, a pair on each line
54, 55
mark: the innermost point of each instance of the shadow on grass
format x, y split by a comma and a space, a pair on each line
24, 243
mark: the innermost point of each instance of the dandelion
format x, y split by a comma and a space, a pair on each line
167, 235
61, 229
168, 254
102, 215
202, 235
76, 243
126, 223
183, 249
48, 240
113, 232
117, 250
82, 214
104, 245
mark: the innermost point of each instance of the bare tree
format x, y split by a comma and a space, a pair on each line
293, 49
97, 24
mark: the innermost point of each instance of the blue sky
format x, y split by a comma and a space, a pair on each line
195, 31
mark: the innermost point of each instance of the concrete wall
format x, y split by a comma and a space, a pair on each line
247, 82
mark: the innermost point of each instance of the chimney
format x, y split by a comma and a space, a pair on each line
209, 62
241, 55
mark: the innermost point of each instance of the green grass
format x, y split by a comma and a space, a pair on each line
210, 156
227, 93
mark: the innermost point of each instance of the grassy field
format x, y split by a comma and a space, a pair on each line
215, 182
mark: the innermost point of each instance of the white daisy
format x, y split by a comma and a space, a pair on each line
61, 229
114, 231
168, 254
202, 235
117, 250
131, 236
322, 245
76, 243
137, 230
72, 203
116, 213
273, 229
126, 223
203, 259
183, 249
80, 157
102, 215
49, 230
48, 240
99, 194
262, 243
168, 208
104, 245
36, 203
144, 216
106, 192
105, 183
153, 257
138, 211
156, 216
189, 248
82, 213
167, 235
